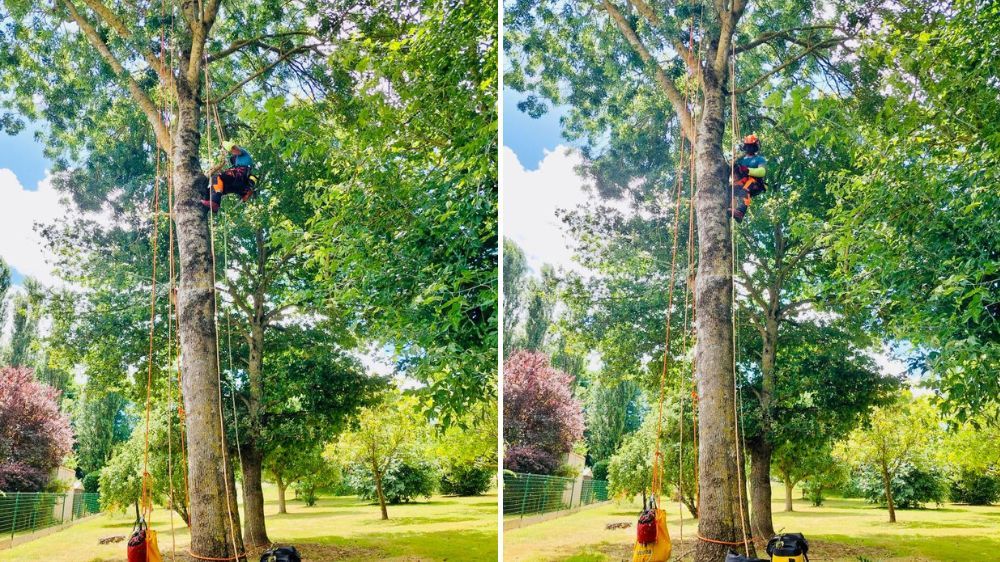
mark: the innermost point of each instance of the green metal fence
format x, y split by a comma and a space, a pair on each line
531, 494
24, 513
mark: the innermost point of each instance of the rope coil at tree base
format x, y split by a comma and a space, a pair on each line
199, 557
744, 542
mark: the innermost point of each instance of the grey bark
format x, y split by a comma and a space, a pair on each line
718, 471
211, 534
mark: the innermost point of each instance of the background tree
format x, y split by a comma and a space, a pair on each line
121, 477
541, 308
932, 278
612, 414
542, 419
515, 268
376, 444
898, 435
416, 223
630, 469
35, 436
101, 423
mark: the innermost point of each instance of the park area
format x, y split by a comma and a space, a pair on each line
336, 528
842, 530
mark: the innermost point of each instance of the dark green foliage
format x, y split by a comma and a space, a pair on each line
975, 488
600, 469
470, 479
91, 482
403, 482
911, 488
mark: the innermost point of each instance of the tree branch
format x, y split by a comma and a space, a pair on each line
647, 11
802, 54
785, 34
280, 60
238, 45
728, 18
146, 104
669, 88
116, 23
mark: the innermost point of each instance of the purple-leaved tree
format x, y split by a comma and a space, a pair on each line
542, 419
34, 435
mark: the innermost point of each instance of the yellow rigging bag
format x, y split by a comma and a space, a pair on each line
652, 538
152, 548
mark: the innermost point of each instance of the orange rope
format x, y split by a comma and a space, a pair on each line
147, 504
199, 557
656, 472
727, 543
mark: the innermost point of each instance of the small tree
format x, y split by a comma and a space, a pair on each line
898, 435
542, 419
120, 480
34, 435
385, 434
296, 465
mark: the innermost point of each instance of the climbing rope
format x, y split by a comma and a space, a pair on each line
732, 240
215, 316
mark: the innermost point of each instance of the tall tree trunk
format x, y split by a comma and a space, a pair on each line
381, 495
211, 532
887, 481
760, 489
789, 485
254, 531
253, 457
761, 447
282, 486
720, 517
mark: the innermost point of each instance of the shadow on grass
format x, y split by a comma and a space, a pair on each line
437, 545
935, 547
308, 513
403, 521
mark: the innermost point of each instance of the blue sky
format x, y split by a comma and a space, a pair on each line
23, 167
23, 155
529, 138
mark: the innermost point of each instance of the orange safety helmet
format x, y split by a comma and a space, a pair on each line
750, 139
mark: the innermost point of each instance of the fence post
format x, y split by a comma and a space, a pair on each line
13, 522
524, 496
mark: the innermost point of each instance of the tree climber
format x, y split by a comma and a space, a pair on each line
748, 177
236, 179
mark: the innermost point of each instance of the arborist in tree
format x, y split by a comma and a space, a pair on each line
748, 177
235, 179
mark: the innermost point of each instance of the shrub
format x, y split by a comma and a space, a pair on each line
600, 470
466, 479
975, 488
402, 482
530, 459
91, 482
911, 488
40, 435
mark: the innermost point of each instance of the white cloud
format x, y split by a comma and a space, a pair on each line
531, 199
20, 210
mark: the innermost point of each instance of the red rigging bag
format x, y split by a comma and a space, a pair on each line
646, 530
137, 542
653, 540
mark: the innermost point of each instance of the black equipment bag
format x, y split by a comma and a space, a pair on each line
733, 557
281, 554
788, 544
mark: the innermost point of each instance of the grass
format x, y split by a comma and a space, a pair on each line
337, 528
842, 530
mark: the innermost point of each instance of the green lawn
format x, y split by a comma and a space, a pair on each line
338, 528
842, 530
